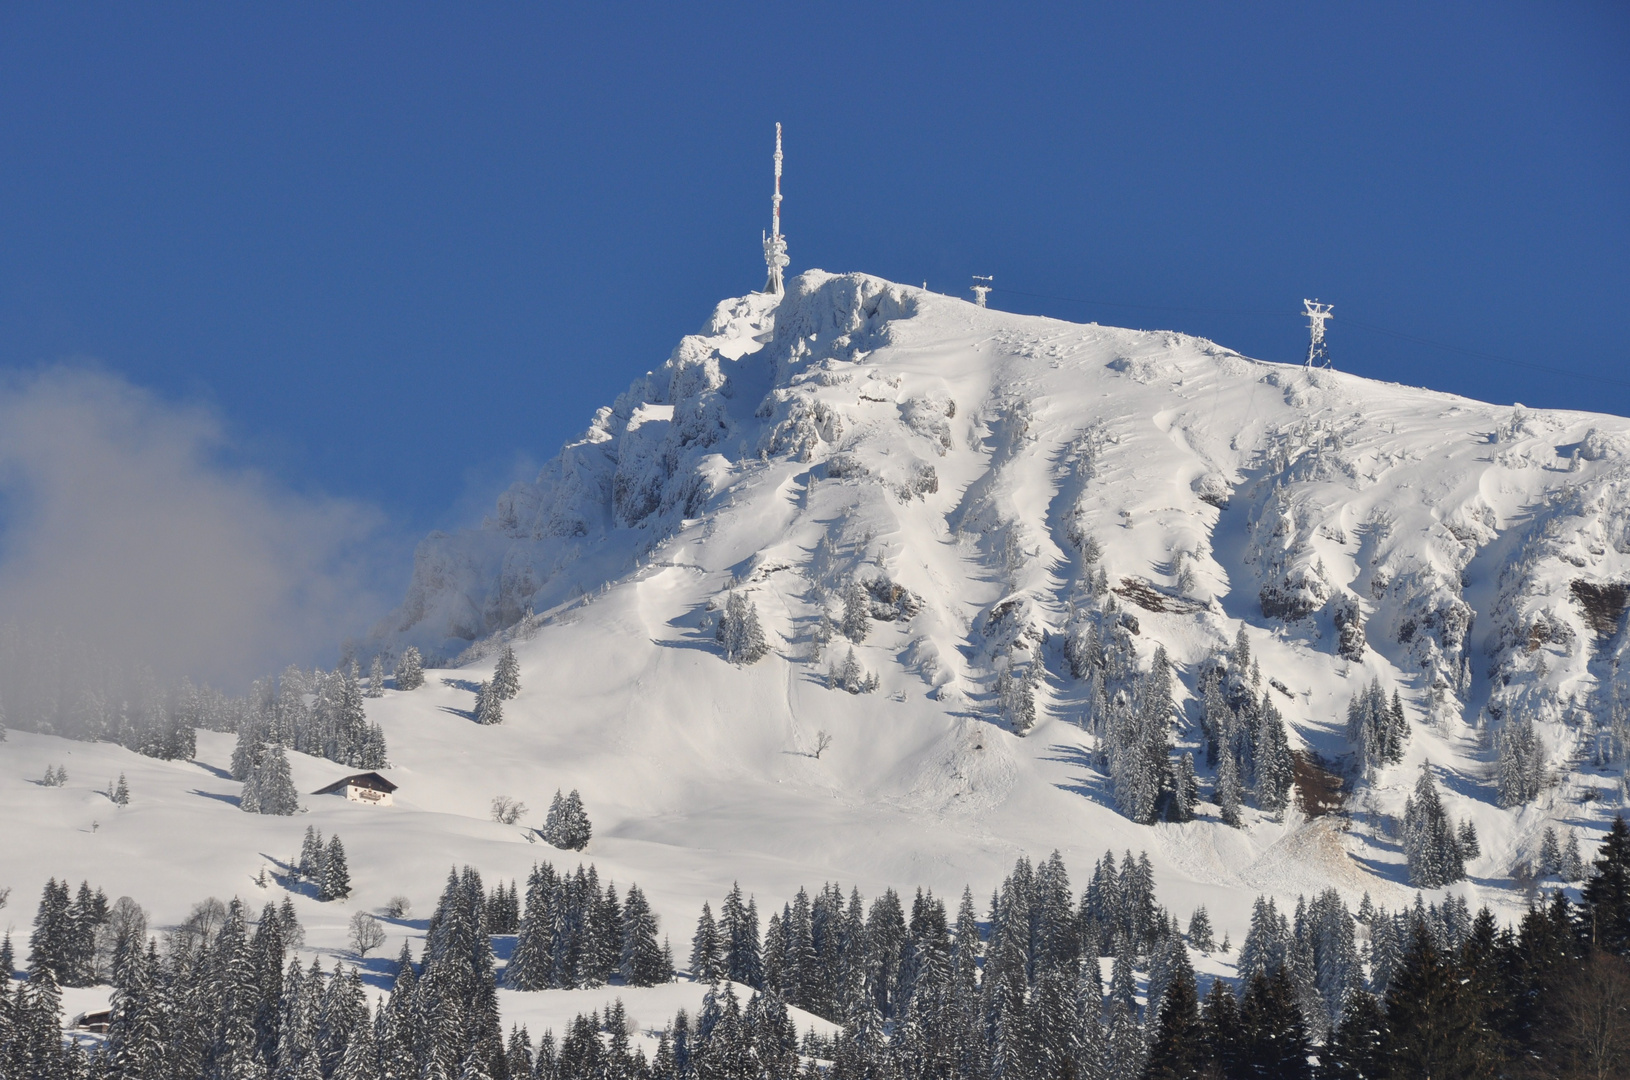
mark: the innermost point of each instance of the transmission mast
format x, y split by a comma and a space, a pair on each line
775, 245
1317, 315
981, 291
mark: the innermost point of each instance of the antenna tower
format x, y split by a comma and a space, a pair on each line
1317, 314
981, 291
775, 245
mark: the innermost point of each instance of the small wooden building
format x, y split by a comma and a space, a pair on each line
368, 787
96, 1022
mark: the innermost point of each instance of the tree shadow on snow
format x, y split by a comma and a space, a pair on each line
1092, 785
700, 644
467, 685
378, 970
219, 774
230, 800
467, 714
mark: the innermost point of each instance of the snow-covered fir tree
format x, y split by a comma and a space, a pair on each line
269, 789
567, 824
376, 678
1200, 931
1573, 866
489, 705
739, 633
1550, 852
335, 881
121, 792
1137, 744
506, 676
1431, 846
1520, 761
1466, 834
409, 670
851, 676
641, 961
1016, 696
707, 953
1185, 793
857, 612
1228, 791
1377, 728
1271, 758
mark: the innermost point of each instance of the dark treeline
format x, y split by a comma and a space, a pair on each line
1436, 991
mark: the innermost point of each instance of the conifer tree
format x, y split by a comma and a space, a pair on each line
641, 959
1550, 853
1016, 696
1185, 789
1271, 758
309, 865
1228, 790
1272, 1038
567, 824
738, 934
246, 751
376, 678
1200, 932
409, 670
121, 793
335, 883
489, 706
739, 633
1176, 1050
706, 949
350, 721
857, 617
1430, 846
1573, 866
269, 788
1432, 1023
1520, 765
1357, 1050
1607, 891
1267, 942
1466, 836
506, 676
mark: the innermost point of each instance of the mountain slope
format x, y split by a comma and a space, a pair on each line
986, 464
1001, 494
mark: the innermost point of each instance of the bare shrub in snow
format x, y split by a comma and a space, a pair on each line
507, 811
366, 934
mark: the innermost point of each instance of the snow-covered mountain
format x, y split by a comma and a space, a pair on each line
974, 469
1002, 496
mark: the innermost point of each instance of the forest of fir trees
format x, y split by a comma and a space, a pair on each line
1017, 992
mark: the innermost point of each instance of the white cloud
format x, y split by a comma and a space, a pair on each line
122, 524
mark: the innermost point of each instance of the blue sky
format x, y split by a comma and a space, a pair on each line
403, 251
